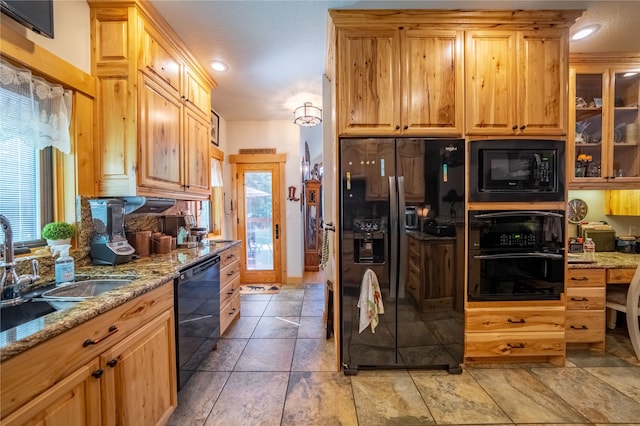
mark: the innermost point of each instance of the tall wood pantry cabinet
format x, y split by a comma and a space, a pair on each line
153, 106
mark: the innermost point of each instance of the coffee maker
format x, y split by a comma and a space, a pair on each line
109, 245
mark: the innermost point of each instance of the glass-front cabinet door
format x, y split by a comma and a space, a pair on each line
604, 145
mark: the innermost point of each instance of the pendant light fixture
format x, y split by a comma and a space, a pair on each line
307, 115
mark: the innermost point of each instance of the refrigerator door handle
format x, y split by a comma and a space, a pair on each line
403, 264
393, 236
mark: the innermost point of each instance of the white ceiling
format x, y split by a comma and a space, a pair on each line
276, 49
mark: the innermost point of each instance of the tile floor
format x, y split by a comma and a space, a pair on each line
274, 367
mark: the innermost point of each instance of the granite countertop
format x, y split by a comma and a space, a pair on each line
151, 272
607, 260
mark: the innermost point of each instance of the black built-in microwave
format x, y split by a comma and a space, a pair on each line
516, 170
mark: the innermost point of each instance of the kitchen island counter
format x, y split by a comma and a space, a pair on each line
147, 272
608, 260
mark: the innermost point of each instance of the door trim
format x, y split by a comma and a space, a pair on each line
280, 159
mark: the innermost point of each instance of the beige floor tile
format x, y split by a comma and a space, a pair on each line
283, 308
457, 398
277, 328
523, 397
197, 397
252, 308
388, 398
314, 355
625, 379
224, 358
312, 328
251, 398
267, 355
593, 398
312, 308
319, 398
242, 327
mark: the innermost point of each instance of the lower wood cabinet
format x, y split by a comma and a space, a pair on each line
116, 369
585, 305
229, 287
500, 332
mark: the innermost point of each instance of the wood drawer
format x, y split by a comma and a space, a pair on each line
515, 320
229, 256
585, 326
58, 357
514, 344
230, 290
229, 312
229, 273
586, 298
620, 276
585, 278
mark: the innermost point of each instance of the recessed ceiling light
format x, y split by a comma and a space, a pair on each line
585, 32
219, 66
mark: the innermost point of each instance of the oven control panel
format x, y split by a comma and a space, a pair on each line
517, 240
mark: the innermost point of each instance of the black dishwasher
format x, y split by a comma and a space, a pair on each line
197, 311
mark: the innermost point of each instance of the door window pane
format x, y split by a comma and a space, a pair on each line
259, 220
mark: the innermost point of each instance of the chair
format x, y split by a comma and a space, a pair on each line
627, 301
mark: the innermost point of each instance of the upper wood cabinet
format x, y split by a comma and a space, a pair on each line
153, 140
604, 145
516, 82
395, 81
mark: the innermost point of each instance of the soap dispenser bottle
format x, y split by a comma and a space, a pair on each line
65, 266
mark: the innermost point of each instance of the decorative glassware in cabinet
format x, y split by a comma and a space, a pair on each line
588, 136
626, 148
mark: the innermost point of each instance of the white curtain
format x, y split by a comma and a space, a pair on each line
216, 173
38, 111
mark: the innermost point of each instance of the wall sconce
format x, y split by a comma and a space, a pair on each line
307, 115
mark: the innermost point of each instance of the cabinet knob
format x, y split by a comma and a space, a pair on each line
515, 127
523, 127
398, 127
405, 127
98, 373
112, 363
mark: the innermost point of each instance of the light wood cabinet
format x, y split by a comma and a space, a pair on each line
604, 145
400, 81
501, 331
585, 307
117, 368
312, 225
431, 275
229, 287
625, 202
153, 140
516, 82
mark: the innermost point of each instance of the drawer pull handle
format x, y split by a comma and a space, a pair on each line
98, 373
579, 299
579, 279
233, 311
112, 363
520, 321
515, 346
582, 327
231, 292
231, 273
113, 329
231, 256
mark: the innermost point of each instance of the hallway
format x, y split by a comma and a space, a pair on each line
275, 367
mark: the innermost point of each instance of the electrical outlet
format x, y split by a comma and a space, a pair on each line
632, 230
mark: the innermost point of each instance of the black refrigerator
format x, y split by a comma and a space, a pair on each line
393, 189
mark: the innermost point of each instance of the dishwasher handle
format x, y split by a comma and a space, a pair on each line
202, 266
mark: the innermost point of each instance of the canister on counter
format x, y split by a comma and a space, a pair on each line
162, 244
143, 243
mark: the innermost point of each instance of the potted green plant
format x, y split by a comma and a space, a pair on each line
57, 233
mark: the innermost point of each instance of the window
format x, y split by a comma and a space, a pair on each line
35, 117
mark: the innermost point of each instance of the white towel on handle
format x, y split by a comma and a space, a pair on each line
370, 302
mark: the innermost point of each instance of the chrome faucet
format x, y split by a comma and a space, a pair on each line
11, 284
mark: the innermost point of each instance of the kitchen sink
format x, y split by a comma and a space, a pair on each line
13, 316
82, 290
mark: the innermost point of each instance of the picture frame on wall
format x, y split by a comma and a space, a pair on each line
215, 128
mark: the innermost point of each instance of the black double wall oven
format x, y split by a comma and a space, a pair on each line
516, 255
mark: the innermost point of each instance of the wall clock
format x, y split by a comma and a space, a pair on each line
577, 210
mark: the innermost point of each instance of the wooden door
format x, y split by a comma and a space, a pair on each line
259, 221
161, 151
197, 166
490, 82
139, 382
542, 82
74, 400
369, 84
432, 84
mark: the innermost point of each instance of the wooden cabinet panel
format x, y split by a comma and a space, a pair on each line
160, 139
229, 287
585, 278
585, 327
229, 256
75, 400
196, 93
140, 375
229, 312
514, 344
197, 165
585, 304
586, 298
160, 60
620, 276
521, 319
623, 202
369, 66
